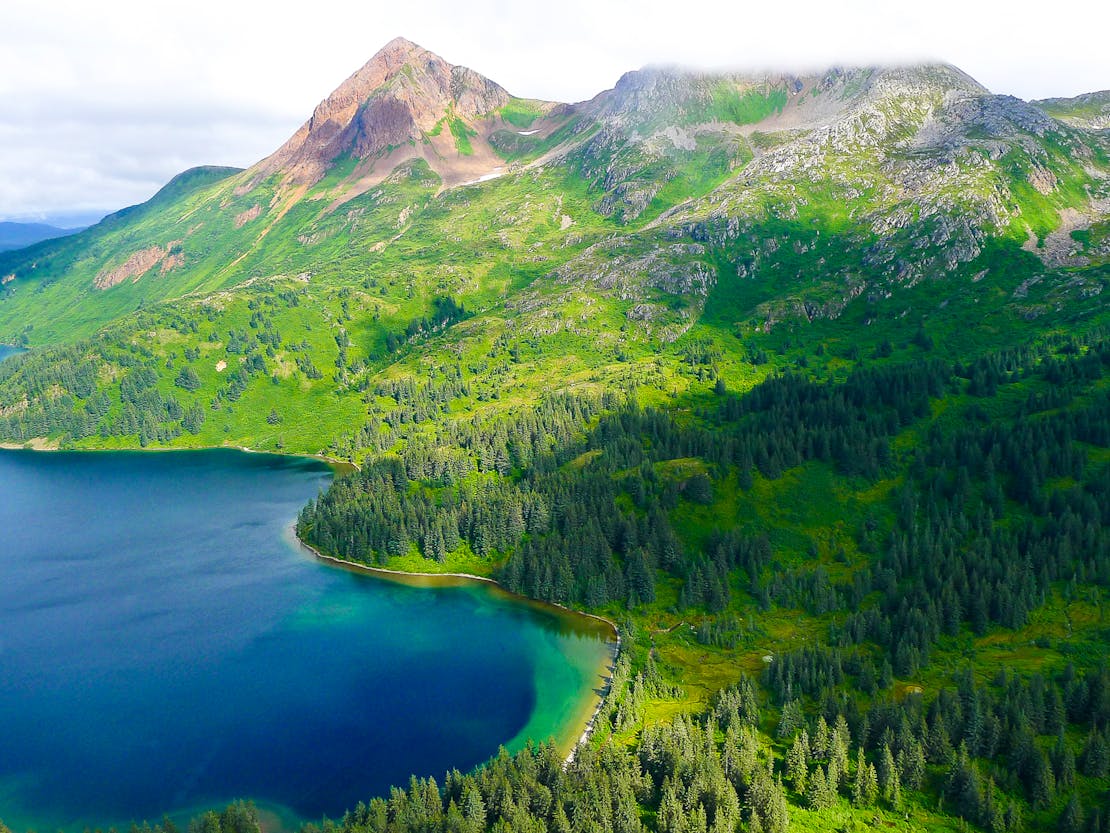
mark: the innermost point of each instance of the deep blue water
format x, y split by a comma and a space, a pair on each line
164, 647
6, 351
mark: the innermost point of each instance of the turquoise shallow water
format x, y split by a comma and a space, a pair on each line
165, 647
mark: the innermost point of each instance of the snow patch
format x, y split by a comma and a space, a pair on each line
496, 172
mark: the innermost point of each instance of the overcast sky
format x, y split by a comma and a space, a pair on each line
102, 102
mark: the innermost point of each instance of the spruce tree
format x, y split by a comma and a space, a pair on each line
797, 762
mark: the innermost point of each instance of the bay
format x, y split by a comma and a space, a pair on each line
7, 350
166, 647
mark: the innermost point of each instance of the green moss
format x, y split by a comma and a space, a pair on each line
462, 133
521, 112
748, 107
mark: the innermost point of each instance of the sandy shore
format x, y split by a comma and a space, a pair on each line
37, 444
587, 716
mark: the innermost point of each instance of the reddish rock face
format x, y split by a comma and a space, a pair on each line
398, 97
141, 262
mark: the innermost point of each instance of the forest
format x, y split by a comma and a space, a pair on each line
996, 507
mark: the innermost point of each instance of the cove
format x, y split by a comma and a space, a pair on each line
165, 647
7, 350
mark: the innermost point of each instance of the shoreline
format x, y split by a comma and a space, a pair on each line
589, 724
41, 444
323, 458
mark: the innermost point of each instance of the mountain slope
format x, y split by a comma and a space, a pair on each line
907, 180
404, 106
1090, 111
392, 110
604, 238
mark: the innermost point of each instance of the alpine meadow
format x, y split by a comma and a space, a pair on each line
801, 381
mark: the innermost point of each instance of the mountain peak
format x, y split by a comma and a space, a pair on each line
390, 59
399, 43
397, 98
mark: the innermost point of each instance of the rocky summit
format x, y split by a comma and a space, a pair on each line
393, 109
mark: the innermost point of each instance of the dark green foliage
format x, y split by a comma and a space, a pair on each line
445, 312
989, 515
580, 539
239, 817
187, 379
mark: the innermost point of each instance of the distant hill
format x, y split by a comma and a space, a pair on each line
18, 235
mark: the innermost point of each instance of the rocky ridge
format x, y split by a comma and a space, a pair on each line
926, 163
1090, 111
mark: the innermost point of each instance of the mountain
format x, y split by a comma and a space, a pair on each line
800, 378
423, 211
18, 235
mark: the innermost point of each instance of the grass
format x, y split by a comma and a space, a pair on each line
748, 107
521, 112
460, 561
462, 133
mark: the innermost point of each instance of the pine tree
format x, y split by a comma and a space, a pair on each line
990, 814
886, 771
791, 719
1096, 756
1063, 763
838, 759
911, 765
962, 787
767, 803
819, 747
671, 817
697, 821
865, 787
1071, 819
820, 794
841, 731
1042, 783
797, 762
1012, 820
474, 809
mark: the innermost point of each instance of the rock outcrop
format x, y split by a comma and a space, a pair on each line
141, 262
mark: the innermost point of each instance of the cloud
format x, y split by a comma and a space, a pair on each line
101, 103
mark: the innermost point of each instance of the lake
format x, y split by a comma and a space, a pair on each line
6, 350
165, 646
